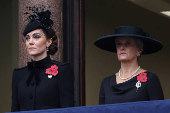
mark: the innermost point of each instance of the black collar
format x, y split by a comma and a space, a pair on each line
39, 64
34, 66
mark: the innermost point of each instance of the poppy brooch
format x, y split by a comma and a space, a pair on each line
52, 71
141, 78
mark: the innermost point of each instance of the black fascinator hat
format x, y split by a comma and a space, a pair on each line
150, 45
41, 20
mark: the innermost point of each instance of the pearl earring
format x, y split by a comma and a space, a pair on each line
47, 49
138, 55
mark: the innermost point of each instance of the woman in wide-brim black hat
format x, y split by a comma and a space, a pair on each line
131, 83
43, 83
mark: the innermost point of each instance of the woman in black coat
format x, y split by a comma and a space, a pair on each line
132, 83
43, 83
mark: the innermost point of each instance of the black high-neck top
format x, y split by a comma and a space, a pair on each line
32, 89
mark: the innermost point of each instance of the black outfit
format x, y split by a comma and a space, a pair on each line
33, 90
111, 92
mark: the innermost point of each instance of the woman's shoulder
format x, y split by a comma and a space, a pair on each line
60, 63
152, 76
149, 74
108, 79
19, 69
19, 72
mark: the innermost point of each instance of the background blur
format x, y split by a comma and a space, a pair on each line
8, 50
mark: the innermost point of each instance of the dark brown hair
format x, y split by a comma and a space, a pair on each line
53, 47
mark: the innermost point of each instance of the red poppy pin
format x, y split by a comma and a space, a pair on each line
53, 71
141, 78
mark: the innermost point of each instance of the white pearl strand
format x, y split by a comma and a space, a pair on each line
128, 76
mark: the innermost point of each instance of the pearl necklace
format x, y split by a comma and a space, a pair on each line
128, 76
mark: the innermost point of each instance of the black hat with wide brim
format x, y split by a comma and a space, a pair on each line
150, 45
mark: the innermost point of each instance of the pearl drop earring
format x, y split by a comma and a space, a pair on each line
138, 55
47, 48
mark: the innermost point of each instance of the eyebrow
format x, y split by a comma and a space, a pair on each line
36, 33
33, 34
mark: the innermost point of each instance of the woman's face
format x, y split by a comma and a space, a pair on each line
37, 43
126, 49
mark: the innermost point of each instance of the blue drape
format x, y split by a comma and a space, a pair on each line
156, 106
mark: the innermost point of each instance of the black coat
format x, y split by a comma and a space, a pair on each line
111, 92
33, 90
